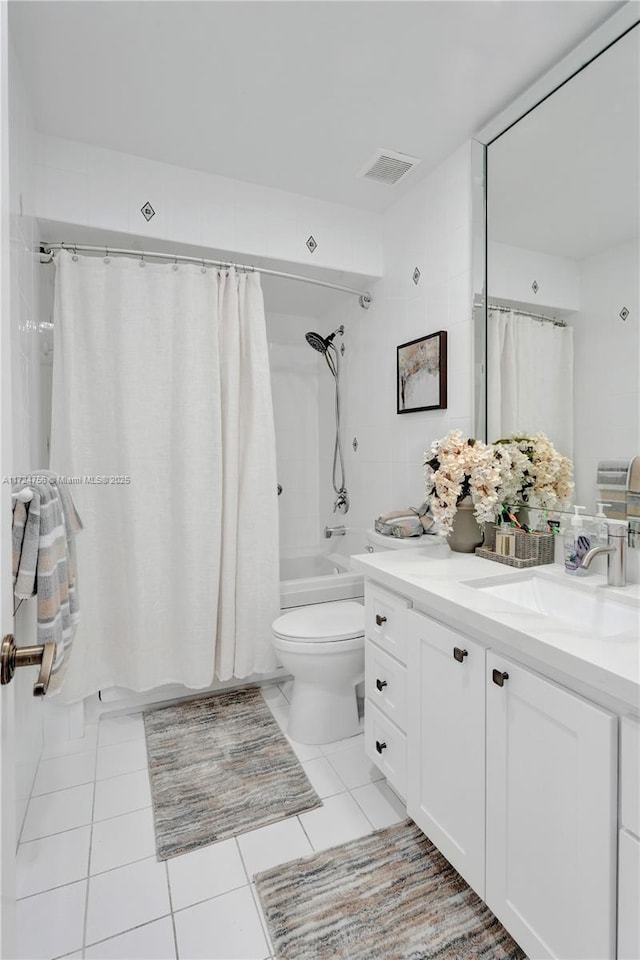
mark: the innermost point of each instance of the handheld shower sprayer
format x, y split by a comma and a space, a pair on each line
326, 347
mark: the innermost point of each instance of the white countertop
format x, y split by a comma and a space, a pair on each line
434, 579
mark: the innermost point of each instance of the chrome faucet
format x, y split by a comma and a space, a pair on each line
335, 531
616, 551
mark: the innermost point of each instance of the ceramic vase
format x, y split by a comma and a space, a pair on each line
467, 533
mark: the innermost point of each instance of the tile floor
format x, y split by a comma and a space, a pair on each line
89, 884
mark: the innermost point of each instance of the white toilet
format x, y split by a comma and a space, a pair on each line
322, 646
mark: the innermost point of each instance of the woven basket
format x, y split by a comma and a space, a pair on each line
532, 550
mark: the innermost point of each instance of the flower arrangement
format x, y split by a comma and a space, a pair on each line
536, 474
460, 466
527, 469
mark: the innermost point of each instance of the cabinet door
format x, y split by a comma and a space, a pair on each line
445, 742
628, 897
386, 746
385, 683
551, 815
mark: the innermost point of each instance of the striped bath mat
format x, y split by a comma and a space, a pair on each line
218, 767
388, 896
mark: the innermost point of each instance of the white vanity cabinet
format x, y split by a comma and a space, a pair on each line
446, 742
629, 842
551, 815
511, 775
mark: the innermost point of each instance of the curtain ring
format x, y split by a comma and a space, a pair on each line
106, 255
203, 269
75, 254
142, 263
175, 264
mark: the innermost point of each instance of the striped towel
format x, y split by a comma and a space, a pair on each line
44, 564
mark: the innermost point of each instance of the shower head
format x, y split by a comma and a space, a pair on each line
319, 343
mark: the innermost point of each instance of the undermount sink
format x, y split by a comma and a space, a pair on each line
587, 609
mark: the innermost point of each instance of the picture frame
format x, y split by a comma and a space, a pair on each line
421, 371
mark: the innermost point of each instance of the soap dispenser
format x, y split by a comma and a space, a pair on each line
600, 527
576, 544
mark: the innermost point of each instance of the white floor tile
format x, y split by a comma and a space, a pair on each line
126, 898
51, 924
122, 840
339, 820
52, 861
336, 746
54, 812
153, 941
62, 772
123, 794
353, 766
324, 780
305, 751
287, 689
115, 759
274, 844
63, 748
205, 873
272, 694
120, 729
380, 804
226, 928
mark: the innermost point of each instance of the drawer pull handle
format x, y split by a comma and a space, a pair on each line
380, 684
499, 677
459, 654
380, 746
380, 620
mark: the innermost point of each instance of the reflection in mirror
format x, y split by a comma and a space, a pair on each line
563, 346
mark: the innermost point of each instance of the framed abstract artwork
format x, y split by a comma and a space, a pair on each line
422, 373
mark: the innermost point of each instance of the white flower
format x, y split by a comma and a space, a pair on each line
506, 472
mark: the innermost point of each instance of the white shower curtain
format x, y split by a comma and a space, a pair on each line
529, 379
161, 385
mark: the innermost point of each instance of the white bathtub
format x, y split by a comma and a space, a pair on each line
317, 578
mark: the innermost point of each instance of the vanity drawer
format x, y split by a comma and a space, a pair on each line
386, 683
385, 620
386, 746
630, 775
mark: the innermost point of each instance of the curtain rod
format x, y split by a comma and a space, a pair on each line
364, 296
527, 313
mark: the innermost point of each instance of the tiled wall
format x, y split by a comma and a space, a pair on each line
606, 356
294, 383
429, 228
28, 451
103, 189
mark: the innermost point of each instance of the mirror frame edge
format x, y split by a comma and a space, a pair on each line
608, 33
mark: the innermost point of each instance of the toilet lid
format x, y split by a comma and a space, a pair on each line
322, 621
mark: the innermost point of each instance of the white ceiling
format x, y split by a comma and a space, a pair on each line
293, 95
565, 179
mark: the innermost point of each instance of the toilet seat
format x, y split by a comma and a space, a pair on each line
321, 623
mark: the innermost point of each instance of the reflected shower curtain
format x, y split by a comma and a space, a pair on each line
162, 420
529, 379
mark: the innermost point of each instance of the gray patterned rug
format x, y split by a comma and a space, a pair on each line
218, 767
388, 896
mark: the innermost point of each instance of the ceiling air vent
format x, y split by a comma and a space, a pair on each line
387, 166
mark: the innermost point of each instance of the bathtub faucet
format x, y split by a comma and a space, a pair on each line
335, 531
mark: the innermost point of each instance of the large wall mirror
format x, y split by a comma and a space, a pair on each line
563, 344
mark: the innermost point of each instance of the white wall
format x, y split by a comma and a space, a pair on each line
102, 189
606, 364
294, 383
512, 272
429, 228
28, 450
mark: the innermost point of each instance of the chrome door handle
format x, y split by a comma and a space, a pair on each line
12, 657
